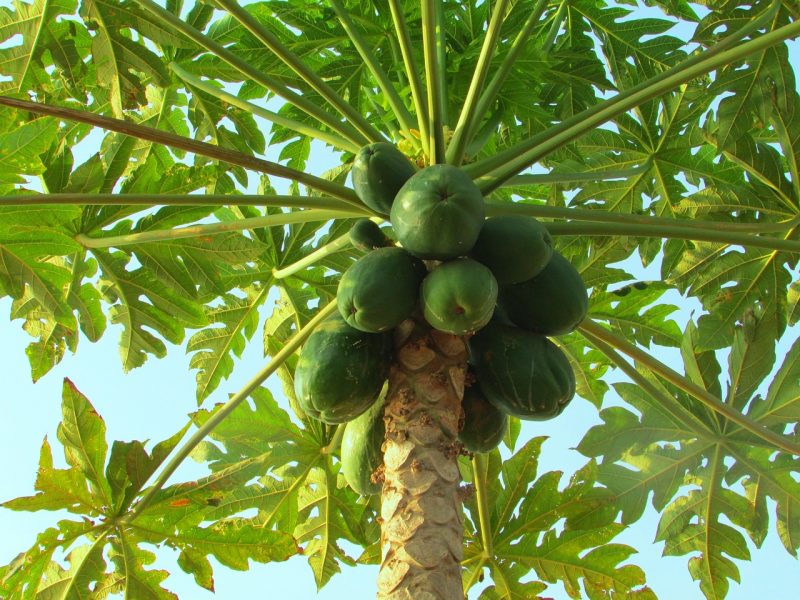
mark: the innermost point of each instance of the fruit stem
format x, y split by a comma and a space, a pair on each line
595, 331
198, 436
303, 216
333, 445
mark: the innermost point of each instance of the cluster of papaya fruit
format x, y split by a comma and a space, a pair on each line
498, 280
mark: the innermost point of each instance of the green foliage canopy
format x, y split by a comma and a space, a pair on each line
679, 150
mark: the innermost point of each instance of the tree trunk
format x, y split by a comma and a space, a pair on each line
422, 531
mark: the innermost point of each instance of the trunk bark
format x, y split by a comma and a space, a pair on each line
421, 530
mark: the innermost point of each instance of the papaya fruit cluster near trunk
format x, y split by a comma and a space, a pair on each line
497, 280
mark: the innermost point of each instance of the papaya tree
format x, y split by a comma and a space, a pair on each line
495, 176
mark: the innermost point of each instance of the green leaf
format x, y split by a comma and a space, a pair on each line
232, 325
130, 466
131, 578
752, 356
83, 433
87, 567
194, 562
635, 312
118, 59
22, 577
782, 404
59, 489
166, 312
21, 147
525, 508
36, 24
729, 282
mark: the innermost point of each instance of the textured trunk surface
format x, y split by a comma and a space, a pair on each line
422, 532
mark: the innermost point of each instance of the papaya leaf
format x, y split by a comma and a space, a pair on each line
131, 577
165, 312
118, 59
232, 325
524, 509
83, 434
635, 312
36, 23
57, 489
728, 282
671, 448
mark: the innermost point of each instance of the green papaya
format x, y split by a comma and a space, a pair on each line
379, 171
459, 296
380, 290
367, 236
515, 248
484, 424
438, 213
361, 449
554, 302
522, 373
341, 371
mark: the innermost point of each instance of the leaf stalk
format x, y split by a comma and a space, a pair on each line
494, 171
333, 247
480, 469
301, 128
695, 391
293, 61
412, 73
189, 145
679, 233
434, 79
469, 114
198, 436
401, 113
144, 237
494, 208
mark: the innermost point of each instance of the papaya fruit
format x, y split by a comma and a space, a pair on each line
361, 449
484, 424
554, 302
438, 213
366, 236
379, 171
341, 371
459, 296
515, 248
522, 373
380, 289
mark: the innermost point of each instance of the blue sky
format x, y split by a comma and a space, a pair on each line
153, 402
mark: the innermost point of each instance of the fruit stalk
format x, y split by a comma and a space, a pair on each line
422, 531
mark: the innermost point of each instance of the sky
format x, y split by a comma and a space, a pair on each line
152, 402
